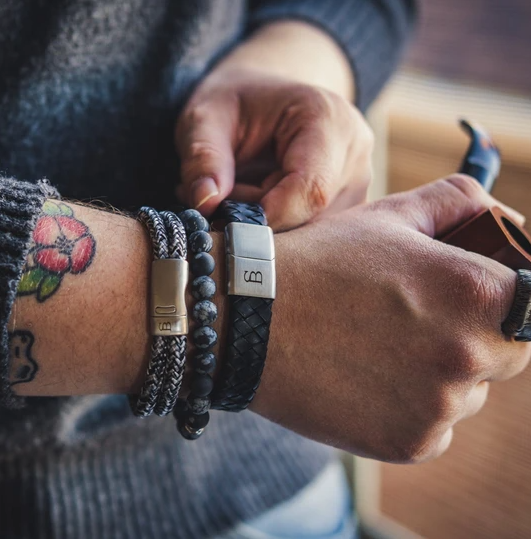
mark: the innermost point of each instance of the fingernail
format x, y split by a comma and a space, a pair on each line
202, 190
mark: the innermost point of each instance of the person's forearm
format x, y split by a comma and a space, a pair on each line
86, 330
298, 51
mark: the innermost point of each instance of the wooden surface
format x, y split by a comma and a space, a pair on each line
485, 41
426, 143
482, 487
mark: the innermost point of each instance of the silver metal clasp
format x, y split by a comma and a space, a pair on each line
169, 278
250, 260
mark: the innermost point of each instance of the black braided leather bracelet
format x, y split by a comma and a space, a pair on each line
249, 314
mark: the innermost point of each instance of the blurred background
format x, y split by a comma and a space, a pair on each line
470, 59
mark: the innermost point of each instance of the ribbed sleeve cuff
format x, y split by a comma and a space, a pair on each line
372, 33
20, 205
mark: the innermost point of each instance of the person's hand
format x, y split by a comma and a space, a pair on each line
382, 338
320, 143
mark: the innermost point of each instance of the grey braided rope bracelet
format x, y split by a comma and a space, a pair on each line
168, 353
175, 346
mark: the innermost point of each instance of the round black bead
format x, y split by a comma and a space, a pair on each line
188, 432
205, 312
202, 264
205, 363
199, 405
205, 337
202, 385
193, 221
203, 287
197, 422
200, 242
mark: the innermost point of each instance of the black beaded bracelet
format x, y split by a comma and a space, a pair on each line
192, 415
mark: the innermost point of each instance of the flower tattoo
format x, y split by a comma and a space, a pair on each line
61, 244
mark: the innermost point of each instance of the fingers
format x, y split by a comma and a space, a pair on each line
311, 178
512, 363
481, 289
443, 444
439, 444
319, 154
204, 139
439, 207
481, 293
476, 399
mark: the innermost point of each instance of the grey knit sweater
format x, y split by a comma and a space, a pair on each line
89, 94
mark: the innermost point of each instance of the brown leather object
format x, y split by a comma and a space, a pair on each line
493, 234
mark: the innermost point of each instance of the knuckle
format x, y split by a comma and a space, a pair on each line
443, 408
196, 114
319, 195
422, 441
412, 449
466, 184
322, 102
313, 104
390, 206
433, 447
482, 292
201, 150
426, 447
461, 360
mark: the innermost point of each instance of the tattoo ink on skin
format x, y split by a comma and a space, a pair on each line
23, 366
61, 244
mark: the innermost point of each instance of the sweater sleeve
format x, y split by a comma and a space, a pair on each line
20, 205
372, 33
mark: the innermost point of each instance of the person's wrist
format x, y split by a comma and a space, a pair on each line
264, 52
283, 330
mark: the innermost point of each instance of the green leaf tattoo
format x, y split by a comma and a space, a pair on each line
61, 244
31, 280
48, 286
54, 207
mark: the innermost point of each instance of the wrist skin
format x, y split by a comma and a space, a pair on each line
281, 48
92, 335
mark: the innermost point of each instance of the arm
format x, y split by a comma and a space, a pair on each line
277, 111
349, 360
372, 35
86, 319
280, 48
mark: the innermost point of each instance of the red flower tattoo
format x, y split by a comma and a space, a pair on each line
61, 244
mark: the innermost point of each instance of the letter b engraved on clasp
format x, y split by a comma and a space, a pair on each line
250, 260
168, 306
254, 277
250, 277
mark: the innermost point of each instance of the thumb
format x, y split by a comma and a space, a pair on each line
312, 161
204, 141
439, 207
